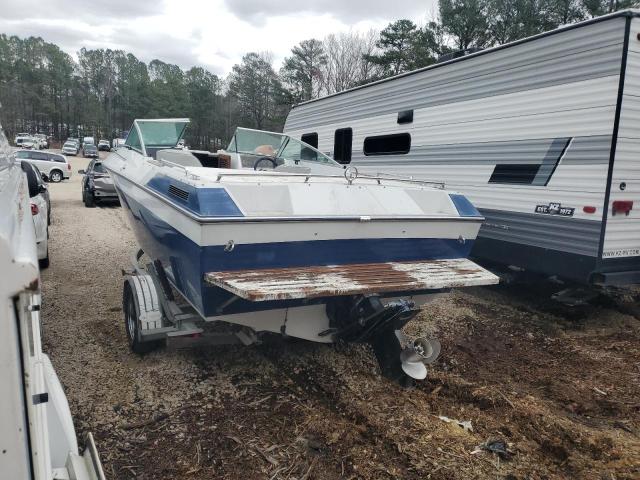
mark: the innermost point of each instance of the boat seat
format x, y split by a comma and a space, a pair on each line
179, 157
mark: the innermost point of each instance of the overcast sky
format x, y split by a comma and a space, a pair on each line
213, 34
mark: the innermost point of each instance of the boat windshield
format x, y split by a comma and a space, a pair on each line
156, 134
275, 145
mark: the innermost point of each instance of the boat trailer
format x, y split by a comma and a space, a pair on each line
155, 312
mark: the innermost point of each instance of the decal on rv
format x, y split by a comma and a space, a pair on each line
555, 209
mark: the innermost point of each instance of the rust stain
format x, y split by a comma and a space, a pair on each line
336, 280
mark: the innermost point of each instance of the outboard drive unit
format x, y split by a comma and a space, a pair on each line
366, 319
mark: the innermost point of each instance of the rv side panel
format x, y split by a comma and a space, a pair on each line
524, 131
621, 248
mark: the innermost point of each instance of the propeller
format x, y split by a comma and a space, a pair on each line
414, 358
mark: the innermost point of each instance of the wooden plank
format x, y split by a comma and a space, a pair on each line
335, 280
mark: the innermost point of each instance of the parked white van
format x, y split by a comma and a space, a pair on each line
53, 166
26, 141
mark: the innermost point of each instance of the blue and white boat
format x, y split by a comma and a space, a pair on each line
274, 235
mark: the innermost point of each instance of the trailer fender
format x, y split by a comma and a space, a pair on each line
146, 298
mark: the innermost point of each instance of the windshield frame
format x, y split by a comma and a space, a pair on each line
143, 144
285, 140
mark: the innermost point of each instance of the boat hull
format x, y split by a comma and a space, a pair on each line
188, 248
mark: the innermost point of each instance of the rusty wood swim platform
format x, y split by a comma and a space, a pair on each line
336, 280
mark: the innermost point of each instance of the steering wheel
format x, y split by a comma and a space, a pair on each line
262, 159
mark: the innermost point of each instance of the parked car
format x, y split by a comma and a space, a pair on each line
40, 207
25, 141
96, 184
117, 143
42, 140
19, 135
53, 166
70, 148
76, 142
88, 141
89, 150
45, 192
104, 145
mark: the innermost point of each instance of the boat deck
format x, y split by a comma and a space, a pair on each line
335, 280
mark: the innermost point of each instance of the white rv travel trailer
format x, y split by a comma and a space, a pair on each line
37, 438
542, 135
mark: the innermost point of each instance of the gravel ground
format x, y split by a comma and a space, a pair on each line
560, 386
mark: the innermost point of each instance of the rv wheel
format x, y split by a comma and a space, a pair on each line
132, 323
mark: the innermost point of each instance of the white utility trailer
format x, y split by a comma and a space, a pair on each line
37, 437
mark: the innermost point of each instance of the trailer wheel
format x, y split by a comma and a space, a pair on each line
132, 323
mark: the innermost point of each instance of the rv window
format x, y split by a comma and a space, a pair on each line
406, 116
311, 139
530, 173
520, 174
396, 144
342, 145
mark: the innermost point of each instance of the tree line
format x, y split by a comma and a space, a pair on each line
44, 90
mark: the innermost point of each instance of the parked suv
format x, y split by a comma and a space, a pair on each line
53, 166
89, 150
96, 184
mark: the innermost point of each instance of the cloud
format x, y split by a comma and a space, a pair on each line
69, 38
149, 45
79, 10
350, 11
213, 34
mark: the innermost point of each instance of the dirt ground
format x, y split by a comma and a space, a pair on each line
560, 386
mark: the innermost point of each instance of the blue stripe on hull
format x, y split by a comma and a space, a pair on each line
186, 262
206, 202
331, 252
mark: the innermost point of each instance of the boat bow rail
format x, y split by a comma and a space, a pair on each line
358, 279
306, 177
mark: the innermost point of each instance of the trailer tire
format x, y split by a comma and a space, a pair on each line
131, 312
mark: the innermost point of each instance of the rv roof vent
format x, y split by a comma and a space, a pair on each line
178, 192
405, 116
